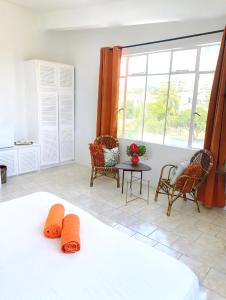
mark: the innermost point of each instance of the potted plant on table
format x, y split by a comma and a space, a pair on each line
135, 151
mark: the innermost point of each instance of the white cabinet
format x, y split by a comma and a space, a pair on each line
48, 128
8, 157
47, 74
66, 128
20, 159
28, 159
50, 109
66, 77
49, 141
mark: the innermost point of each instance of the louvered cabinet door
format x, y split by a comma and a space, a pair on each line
28, 159
47, 75
66, 126
66, 77
9, 158
49, 146
49, 128
48, 109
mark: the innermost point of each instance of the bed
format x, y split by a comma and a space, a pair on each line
109, 266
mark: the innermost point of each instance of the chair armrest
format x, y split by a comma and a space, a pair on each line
166, 166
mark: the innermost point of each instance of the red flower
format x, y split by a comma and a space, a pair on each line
134, 148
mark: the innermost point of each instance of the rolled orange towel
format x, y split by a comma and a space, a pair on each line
53, 224
70, 235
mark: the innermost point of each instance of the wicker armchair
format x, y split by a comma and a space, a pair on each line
205, 159
100, 170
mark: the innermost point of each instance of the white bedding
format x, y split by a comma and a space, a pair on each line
110, 265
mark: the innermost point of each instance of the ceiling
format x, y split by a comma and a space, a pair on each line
82, 14
50, 5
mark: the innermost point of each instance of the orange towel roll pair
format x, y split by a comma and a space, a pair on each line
67, 227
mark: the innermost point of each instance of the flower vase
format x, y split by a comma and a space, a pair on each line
134, 160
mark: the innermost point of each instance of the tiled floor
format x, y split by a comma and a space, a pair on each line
198, 240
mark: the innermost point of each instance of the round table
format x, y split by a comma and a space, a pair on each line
128, 167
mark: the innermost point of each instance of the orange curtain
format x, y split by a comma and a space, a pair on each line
107, 112
212, 193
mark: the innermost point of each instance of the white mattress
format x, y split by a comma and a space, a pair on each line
110, 265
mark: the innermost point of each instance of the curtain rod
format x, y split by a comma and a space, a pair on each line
172, 39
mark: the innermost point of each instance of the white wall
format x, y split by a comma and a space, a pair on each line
84, 48
21, 38
18, 40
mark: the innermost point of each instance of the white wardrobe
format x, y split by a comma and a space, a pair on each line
50, 109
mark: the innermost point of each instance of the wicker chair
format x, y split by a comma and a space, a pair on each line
97, 171
205, 158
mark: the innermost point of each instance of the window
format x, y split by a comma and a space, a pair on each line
164, 96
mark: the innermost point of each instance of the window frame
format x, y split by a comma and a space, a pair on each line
196, 73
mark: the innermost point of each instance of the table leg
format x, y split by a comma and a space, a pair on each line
141, 178
148, 191
131, 179
127, 184
122, 180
